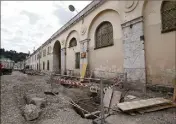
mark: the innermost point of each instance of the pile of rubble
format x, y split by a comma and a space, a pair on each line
116, 101
33, 107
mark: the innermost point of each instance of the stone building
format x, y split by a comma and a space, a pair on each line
137, 37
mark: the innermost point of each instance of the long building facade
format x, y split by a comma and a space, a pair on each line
136, 37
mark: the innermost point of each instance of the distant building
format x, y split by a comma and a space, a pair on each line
19, 65
137, 37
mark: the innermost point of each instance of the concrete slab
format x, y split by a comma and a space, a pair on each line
107, 97
115, 99
126, 106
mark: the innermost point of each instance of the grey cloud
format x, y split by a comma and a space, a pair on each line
62, 14
33, 18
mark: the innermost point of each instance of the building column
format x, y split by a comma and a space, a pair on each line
134, 54
83, 56
63, 60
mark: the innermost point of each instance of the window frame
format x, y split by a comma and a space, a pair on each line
44, 52
95, 36
162, 19
72, 41
48, 65
43, 65
77, 59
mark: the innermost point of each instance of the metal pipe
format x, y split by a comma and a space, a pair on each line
102, 105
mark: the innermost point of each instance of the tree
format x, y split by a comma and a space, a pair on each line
13, 55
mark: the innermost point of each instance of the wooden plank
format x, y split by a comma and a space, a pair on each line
156, 108
126, 106
92, 114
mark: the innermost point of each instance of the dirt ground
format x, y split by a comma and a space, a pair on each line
58, 109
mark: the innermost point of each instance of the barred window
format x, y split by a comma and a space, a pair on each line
168, 16
104, 35
73, 42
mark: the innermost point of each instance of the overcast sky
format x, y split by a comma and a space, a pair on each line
28, 24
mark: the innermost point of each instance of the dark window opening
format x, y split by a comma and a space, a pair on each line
47, 64
73, 42
77, 63
43, 65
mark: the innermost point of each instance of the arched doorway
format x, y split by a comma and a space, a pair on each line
57, 57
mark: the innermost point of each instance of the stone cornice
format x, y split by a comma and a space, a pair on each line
85, 40
132, 22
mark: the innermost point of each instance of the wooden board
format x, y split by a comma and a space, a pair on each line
156, 108
127, 106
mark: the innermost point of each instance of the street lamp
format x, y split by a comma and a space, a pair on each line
72, 8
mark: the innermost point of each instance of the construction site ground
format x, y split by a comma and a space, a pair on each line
58, 110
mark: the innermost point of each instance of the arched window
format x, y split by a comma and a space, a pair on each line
73, 42
168, 16
104, 35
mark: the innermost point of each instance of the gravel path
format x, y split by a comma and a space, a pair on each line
13, 88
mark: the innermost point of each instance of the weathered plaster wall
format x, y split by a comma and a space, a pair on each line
127, 51
109, 57
134, 59
159, 47
71, 51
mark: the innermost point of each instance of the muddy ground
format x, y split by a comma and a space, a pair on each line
58, 109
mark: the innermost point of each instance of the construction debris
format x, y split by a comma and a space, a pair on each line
130, 97
115, 99
107, 97
92, 114
31, 112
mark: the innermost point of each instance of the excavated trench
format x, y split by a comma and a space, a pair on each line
86, 106
85, 101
